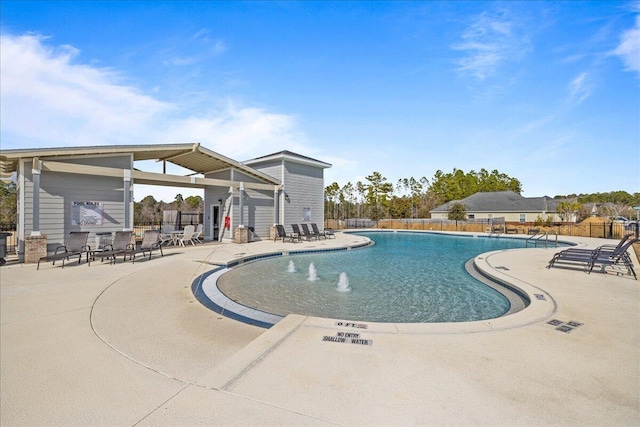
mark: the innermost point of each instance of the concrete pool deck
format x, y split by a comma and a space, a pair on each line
130, 345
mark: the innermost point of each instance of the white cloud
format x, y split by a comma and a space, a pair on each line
48, 98
535, 125
579, 89
240, 133
490, 42
629, 48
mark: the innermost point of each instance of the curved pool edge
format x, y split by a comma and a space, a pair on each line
541, 305
206, 291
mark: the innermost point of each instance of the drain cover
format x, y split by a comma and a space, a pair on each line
565, 327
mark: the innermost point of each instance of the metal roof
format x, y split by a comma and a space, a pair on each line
190, 156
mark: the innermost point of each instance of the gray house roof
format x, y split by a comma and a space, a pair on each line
503, 201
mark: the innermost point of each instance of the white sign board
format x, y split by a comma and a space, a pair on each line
86, 213
306, 214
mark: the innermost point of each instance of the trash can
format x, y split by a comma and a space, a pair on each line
3, 247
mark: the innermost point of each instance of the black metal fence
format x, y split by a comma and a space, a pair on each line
608, 230
12, 240
611, 230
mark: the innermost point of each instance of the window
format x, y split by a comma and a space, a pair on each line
523, 217
472, 216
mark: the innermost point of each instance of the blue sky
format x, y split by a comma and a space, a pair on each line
546, 92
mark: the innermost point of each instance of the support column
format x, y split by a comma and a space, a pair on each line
127, 200
276, 205
36, 170
273, 231
241, 205
35, 245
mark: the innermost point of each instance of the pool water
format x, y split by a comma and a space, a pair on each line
405, 277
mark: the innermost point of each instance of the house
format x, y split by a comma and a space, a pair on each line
60, 190
504, 204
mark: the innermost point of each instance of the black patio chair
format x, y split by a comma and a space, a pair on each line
324, 233
283, 234
601, 256
75, 245
296, 230
307, 234
603, 248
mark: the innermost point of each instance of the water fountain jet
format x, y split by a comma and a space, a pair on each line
343, 283
313, 275
292, 267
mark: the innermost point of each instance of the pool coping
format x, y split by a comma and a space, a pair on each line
538, 305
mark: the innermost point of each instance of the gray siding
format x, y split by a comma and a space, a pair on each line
59, 190
257, 205
272, 168
304, 185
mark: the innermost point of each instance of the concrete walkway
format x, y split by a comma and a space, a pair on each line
129, 345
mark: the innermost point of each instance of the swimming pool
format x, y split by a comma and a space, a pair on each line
405, 277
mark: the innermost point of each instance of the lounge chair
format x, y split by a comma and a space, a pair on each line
325, 233
306, 233
283, 234
567, 255
196, 236
600, 256
186, 235
604, 260
150, 242
76, 245
168, 235
313, 232
121, 244
296, 230
602, 248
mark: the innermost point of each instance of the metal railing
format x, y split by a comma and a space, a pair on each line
537, 239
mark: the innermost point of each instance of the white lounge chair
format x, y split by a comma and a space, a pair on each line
186, 235
196, 236
167, 235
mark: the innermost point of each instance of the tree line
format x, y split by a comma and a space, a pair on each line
410, 197
377, 197
149, 210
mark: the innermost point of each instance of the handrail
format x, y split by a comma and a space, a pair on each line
495, 230
536, 238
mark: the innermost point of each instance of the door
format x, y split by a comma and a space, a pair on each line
215, 222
